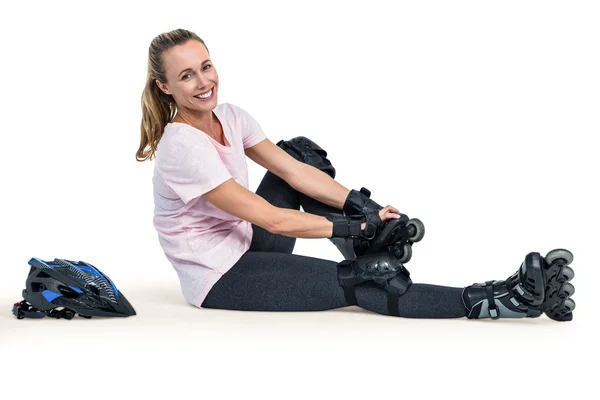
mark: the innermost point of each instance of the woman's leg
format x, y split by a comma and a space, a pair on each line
270, 278
271, 281
280, 194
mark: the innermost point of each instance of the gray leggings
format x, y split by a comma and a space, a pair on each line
268, 277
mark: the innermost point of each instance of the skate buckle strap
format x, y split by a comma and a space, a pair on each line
492, 308
522, 294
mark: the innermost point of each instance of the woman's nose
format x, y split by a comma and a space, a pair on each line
203, 82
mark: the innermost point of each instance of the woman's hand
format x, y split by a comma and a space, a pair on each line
386, 213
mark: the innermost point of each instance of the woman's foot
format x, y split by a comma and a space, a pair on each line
541, 285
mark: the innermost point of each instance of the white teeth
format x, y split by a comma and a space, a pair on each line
204, 96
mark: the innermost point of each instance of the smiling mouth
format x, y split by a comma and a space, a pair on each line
210, 94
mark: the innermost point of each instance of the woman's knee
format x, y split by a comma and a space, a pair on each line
307, 151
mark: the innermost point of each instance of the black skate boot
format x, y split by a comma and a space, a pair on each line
541, 285
395, 236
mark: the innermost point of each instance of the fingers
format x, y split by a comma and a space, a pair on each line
389, 212
393, 209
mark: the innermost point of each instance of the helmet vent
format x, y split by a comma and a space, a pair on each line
94, 289
43, 274
67, 291
37, 287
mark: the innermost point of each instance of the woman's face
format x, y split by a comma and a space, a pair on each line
190, 73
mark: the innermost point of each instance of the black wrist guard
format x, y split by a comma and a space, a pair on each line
349, 226
357, 201
345, 226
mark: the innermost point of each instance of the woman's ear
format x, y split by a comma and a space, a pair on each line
162, 87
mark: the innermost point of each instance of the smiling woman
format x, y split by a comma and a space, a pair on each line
232, 248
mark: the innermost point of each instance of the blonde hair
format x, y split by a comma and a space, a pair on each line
158, 108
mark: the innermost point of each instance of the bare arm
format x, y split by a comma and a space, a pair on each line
314, 183
302, 177
317, 184
298, 224
320, 186
244, 204
305, 179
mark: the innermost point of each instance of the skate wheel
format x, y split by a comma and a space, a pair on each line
406, 253
562, 311
560, 275
556, 254
567, 290
565, 275
419, 229
562, 292
568, 306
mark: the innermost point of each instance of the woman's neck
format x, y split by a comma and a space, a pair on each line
206, 123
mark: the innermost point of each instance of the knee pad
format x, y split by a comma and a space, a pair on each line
381, 268
305, 150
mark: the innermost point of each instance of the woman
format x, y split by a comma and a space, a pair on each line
232, 248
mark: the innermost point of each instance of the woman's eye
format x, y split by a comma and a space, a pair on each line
184, 77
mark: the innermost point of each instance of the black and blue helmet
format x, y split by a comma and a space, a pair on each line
61, 288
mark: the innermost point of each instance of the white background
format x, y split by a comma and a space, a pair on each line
478, 117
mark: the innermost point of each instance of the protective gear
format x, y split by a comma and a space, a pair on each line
381, 268
357, 201
305, 150
350, 226
78, 287
539, 286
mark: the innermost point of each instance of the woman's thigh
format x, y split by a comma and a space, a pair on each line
272, 281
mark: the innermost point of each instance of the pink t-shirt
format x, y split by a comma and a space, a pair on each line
201, 241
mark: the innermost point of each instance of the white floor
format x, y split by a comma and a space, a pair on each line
171, 349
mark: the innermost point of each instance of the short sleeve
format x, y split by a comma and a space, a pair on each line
252, 132
190, 165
